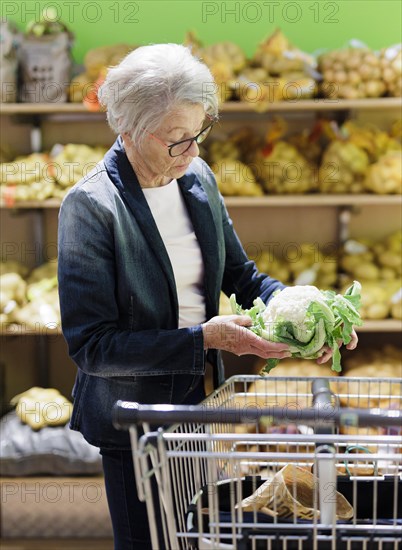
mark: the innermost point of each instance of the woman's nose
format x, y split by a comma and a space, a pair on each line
194, 150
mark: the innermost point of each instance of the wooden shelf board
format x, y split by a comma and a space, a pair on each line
228, 107
313, 200
45, 109
316, 105
258, 202
28, 205
19, 330
382, 325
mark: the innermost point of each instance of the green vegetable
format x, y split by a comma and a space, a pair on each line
307, 319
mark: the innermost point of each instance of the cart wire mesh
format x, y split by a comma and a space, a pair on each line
273, 463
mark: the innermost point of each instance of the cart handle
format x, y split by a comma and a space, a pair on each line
128, 413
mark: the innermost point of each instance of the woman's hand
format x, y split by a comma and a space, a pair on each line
228, 332
328, 351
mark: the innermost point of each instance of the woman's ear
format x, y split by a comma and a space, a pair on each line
126, 139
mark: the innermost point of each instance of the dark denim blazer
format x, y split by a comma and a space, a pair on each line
118, 296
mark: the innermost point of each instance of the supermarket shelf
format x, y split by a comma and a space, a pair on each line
313, 200
316, 105
31, 205
252, 202
45, 109
228, 107
13, 329
383, 325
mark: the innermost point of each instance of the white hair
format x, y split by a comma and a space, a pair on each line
150, 82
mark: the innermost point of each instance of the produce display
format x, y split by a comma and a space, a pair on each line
41, 176
306, 319
328, 158
379, 268
279, 71
40, 407
32, 301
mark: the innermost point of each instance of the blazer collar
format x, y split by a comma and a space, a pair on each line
124, 178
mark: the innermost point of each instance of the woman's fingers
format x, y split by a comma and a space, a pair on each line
242, 320
326, 356
354, 341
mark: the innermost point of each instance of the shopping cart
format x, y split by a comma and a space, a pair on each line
273, 463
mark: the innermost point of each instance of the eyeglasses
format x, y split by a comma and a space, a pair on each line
180, 147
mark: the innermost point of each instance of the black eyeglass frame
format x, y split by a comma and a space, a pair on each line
189, 140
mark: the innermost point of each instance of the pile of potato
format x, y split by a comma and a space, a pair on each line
378, 266
41, 176
391, 64
351, 73
29, 299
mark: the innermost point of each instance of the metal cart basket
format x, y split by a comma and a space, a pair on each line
273, 463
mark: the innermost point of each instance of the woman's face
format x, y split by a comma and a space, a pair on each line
182, 123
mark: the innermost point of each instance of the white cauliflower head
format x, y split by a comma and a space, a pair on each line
291, 304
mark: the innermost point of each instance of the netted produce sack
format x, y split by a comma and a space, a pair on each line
391, 64
8, 62
292, 492
45, 68
353, 72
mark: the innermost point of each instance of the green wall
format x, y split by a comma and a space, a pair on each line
309, 24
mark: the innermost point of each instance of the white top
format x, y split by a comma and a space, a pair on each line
174, 224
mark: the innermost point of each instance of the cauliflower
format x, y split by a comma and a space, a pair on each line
292, 304
306, 319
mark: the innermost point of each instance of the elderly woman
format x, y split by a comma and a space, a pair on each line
145, 248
